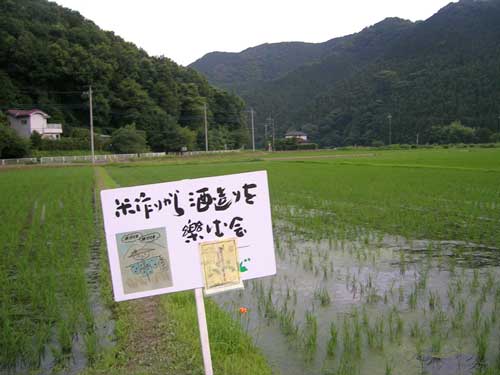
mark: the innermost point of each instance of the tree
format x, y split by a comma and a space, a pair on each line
287, 144
173, 138
49, 55
11, 144
36, 140
129, 140
483, 135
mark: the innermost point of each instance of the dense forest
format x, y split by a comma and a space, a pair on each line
394, 82
50, 55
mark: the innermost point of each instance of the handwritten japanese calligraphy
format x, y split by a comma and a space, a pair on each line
201, 200
194, 230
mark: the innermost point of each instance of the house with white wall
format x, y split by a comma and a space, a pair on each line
25, 122
301, 136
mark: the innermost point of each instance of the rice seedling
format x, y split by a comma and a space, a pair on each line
379, 333
415, 330
322, 295
482, 338
357, 338
475, 281
347, 365
412, 299
497, 359
451, 296
476, 315
422, 282
332, 342
389, 368
434, 300
365, 319
286, 319
490, 281
269, 307
436, 343
370, 337
310, 334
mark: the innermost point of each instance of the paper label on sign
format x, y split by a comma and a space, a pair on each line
144, 260
219, 260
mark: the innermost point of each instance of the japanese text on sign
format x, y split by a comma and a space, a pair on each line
186, 213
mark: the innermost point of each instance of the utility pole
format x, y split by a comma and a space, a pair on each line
91, 125
417, 138
265, 131
206, 125
390, 128
253, 130
273, 135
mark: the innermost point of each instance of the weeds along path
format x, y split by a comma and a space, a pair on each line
145, 332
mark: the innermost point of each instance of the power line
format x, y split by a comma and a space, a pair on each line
253, 130
206, 126
59, 92
91, 125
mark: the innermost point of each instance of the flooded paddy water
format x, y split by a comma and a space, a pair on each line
386, 267
379, 304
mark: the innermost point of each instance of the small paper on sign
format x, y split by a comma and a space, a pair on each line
219, 263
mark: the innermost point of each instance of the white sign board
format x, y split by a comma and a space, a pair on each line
153, 232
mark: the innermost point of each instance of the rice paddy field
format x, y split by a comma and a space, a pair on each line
388, 263
47, 230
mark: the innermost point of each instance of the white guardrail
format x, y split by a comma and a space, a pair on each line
102, 158
194, 153
18, 161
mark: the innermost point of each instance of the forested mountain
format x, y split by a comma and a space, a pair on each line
262, 63
49, 55
410, 77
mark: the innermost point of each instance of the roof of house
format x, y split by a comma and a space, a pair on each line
25, 112
295, 134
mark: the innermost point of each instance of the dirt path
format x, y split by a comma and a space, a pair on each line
146, 336
142, 339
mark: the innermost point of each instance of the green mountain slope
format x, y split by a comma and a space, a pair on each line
423, 74
49, 55
262, 63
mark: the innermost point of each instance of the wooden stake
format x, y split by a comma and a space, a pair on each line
202, 325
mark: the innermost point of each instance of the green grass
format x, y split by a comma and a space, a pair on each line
232, 350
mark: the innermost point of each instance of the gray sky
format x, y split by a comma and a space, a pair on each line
185, 30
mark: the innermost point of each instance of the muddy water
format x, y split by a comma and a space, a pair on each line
376, 279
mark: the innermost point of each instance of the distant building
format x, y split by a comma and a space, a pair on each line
296, 135
25, 122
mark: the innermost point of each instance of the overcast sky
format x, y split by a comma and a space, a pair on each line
185, 30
